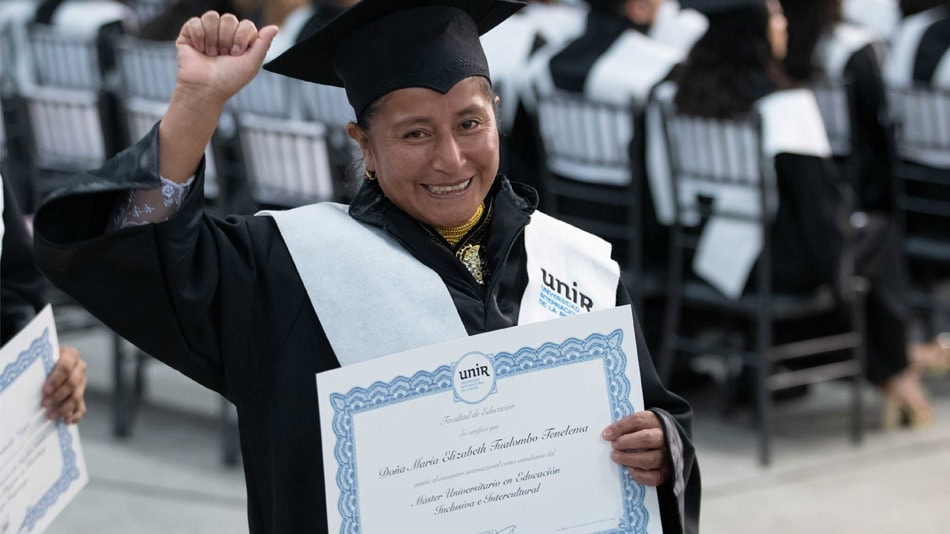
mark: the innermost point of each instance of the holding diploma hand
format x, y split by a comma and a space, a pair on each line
639, 444
65, 386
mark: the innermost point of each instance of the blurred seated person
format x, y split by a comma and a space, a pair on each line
822, 47
677, 27
22, 295
166, 25
735, 69
921, 50
87, 17
510, 47
323, 11
613, 61
251, 307
102, 19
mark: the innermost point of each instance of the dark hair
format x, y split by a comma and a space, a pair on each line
731, 66
365, 119
808, 21
912, 7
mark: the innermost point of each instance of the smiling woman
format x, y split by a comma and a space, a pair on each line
435, 155
436, 244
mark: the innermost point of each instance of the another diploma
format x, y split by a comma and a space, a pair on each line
495, 433
41, 462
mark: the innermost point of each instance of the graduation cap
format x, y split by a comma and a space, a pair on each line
379, 46
708, 7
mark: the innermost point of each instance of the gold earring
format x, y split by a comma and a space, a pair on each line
370, 175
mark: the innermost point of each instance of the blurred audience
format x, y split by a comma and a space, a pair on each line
735, 68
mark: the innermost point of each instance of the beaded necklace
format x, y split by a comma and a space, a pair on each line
454, 234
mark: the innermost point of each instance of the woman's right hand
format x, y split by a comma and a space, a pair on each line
218, 55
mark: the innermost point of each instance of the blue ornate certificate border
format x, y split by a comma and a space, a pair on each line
41, 349
606, 347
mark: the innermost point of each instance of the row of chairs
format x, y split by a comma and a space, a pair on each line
580, 138
71, 111
284, 140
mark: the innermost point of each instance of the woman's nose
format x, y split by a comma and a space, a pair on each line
448, 155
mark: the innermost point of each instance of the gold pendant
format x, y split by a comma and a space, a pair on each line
470, 256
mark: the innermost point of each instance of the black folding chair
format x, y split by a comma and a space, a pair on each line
286, 160
328, 106
146, 10
147, 72
922, 117
705, 155
591, 179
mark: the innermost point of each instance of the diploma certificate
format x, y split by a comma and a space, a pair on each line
41, 461
494, 433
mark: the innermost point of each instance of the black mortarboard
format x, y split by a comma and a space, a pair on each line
378, 46
708, 7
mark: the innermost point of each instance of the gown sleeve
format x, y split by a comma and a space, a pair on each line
180, 290
873, 141
678, 496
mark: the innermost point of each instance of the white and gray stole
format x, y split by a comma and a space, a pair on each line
373, 298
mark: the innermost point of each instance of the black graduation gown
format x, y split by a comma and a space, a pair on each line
221, 301
870, 167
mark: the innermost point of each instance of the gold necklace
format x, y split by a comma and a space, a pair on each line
454, 234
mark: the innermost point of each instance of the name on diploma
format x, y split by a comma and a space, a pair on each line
495, 433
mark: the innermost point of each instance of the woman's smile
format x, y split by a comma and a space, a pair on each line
445, 190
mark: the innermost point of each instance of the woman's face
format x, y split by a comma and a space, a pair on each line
435, 155
778, 30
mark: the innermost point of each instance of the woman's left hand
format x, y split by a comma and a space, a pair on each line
65, 387
640, 445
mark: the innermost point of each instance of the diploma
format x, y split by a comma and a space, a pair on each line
495, 433
41, 462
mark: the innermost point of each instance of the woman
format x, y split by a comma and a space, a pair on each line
232, 303
736, 68
21, 296
821, 47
